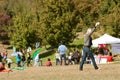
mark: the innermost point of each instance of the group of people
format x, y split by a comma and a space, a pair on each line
61, 53
73, 57
86, 49
21, 58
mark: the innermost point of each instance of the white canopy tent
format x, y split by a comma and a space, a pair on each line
107, 39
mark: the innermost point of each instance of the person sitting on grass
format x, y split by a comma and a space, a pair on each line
49, 63
2, 66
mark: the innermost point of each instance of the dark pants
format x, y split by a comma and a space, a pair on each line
9, 65
29, 62
61, 57
18, 64
57, 61
86, 52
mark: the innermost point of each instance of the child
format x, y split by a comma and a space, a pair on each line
9, 62
18, 59
23, 59
36, 60
29, 60
57, 57
48, 63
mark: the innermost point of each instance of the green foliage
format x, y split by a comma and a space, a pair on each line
77, 43
53, 21
88, 12
22, 32
60, 18
110, 16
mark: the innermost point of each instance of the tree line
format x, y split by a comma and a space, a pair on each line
25, 22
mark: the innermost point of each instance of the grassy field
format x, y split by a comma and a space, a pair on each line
70, 72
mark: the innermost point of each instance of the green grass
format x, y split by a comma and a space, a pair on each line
47, 54
77, 43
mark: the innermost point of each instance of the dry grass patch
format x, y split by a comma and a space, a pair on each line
71, 72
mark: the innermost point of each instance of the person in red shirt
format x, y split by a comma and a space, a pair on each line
49, 63
2, 66
3, 69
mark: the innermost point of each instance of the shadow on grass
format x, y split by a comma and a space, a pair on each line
47, 53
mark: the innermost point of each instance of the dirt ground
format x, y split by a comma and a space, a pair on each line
70, 72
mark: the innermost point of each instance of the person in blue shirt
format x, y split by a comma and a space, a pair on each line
62, 51
18, 59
